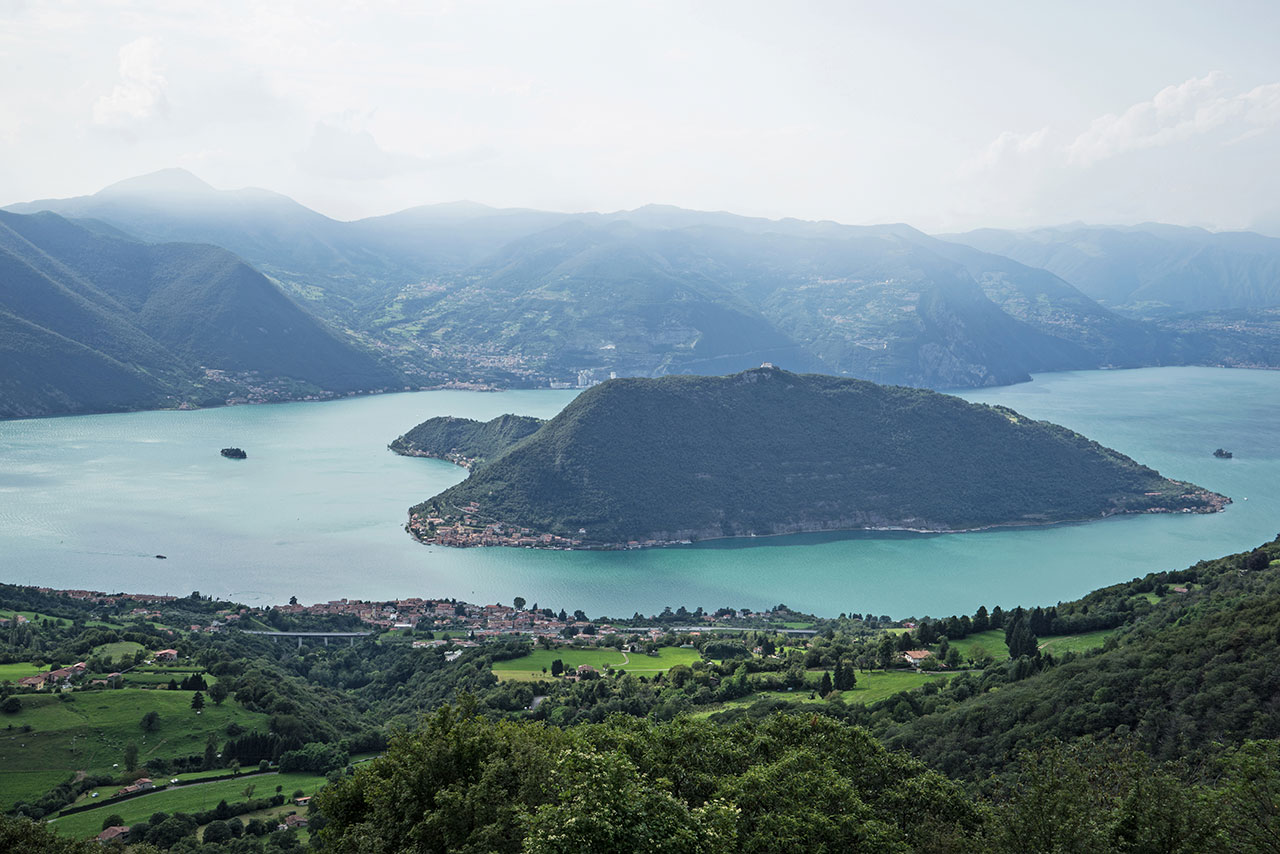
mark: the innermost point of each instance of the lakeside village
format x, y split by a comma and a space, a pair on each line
459, 624
468, 529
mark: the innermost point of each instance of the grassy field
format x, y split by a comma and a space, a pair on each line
529, 667
33, 616
18, 670
118, 650
90, 733
1076, 643
186, 799
872, 687
992, 641
161, 675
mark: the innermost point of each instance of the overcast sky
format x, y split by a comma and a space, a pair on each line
949, 116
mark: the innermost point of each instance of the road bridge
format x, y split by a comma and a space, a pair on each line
301, 636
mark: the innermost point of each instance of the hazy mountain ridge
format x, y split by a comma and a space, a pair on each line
767, 451
1150, 269
145, 321
520, 297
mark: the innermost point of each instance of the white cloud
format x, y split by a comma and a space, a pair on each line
140, 94
1177, 113
1008, 147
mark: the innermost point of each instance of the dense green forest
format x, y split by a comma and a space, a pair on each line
464, 440
1139, 718
768, 452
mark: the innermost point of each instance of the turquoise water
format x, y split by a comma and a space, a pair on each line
318, 508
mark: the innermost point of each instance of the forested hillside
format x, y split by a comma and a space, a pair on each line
1154, 691
96, 321
464, 440
768, 452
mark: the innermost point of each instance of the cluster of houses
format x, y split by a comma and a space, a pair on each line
54, 678
469, 530
144, 784
480, 622
98, 597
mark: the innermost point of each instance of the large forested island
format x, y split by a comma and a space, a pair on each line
636, 462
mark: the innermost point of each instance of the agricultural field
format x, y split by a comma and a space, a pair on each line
33, 616
872, 687
992, 641
1075, 643
120, 651
89, 733
18, 670
160, 676
528, 668
188, 799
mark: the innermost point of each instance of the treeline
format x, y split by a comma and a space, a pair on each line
784, 783
462, 439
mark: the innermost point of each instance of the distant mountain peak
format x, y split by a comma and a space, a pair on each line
170, 181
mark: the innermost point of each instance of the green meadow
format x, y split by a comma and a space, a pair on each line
118, 651
872, 687
529, 667
188, 799
992, 641
18, 670
90, 732
1075, 643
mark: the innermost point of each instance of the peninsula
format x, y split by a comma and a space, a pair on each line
464, 441
643, 462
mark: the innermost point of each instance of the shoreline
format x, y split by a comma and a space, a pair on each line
490, 389
488, 537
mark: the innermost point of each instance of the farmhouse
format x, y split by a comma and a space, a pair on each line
915, 657
114, 833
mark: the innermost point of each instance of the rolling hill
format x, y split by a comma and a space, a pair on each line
98, 322
1150, 269
767, 452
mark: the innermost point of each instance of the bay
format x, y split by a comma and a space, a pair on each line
317, 510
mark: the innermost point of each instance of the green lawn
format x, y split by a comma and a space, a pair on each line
90, 734
992, 641
18, 670
872, 687
118, 650
1075, 643
529, 667
34, 616
876, 685
188, 799
153, 676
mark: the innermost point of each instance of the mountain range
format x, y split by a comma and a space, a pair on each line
514, 297
94, 320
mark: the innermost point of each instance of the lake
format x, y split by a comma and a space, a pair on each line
317, 510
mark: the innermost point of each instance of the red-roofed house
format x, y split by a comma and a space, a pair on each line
914, 657
111, 834
167, 655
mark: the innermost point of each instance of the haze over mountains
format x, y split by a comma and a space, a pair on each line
465, 293
95, 321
